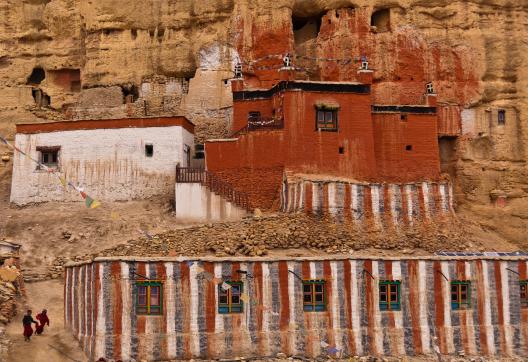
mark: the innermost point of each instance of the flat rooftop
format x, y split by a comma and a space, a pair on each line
61, 126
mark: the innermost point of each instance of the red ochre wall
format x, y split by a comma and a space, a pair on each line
392, 135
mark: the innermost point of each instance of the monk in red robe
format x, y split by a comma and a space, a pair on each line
42, 317
26, 322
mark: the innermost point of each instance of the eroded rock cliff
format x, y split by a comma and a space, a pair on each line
101, 59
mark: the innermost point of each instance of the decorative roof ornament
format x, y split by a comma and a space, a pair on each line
287, 61
238, 70
429, 88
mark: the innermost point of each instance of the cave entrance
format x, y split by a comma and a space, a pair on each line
130, 93
37, 76
305, 29
380, 20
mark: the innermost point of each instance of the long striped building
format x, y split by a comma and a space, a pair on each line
175, 308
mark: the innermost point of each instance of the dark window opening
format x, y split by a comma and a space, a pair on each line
341, 150
253, 116
460, 294
37, 76
389, 295
149, 298
226, 81
149, 150
229, 297
403, 117
161, 33
41, 99
49, 155
130, 93
199, 151
326, 120
133, 32
381, 20
523, 289
501, 117
314, 295
408, 148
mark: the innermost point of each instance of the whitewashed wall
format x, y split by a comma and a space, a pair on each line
110, 164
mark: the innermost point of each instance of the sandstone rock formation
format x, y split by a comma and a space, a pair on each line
101, 59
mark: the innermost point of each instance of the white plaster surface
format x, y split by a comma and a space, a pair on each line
195, 202
109, 164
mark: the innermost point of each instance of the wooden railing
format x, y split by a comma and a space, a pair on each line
214, 184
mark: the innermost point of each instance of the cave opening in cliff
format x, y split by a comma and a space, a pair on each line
380, 20
130, 93
305, 29
37, 76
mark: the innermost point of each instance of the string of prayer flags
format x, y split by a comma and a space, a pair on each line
89, 202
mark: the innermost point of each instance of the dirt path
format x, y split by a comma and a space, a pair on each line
56, 344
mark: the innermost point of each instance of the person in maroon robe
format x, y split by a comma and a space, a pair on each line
42, 317
26, 322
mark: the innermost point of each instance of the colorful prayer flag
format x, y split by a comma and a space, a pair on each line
95, 204
226, 286
190, 263
88, 201
62, 181
83, 194
333, 350
199, 269
324, 344
244, 297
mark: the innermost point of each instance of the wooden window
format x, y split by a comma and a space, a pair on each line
523, 288
501, 117
389, 295
49, 156
326, 120
229, 298
149, 299
314, 295
460, 294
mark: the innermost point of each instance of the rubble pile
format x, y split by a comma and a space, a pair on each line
9, 289
256, 236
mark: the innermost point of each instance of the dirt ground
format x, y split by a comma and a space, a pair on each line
56, 344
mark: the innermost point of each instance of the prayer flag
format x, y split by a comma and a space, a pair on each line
95, 204
88, 201
190, 263
3, 140
225, 286
83, 194
324, 344
62, 181
332, 350
244, 297
199, 269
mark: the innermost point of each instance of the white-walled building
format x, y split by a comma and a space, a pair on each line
111, 160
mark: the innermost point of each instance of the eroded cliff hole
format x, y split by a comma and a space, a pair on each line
380, 21
305, 29
37, 76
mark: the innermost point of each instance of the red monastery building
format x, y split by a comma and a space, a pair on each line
323, 128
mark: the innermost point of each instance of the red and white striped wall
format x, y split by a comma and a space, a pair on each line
100, 308
386, 204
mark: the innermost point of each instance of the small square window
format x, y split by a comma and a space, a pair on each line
403, 117
326, 120
460, 294
229, 300
149, 150
49, 156
389, 295
341, 150
523, 289
314, 296
501, 117
408, 148
149, 298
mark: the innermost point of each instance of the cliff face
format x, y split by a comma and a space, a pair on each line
119, 58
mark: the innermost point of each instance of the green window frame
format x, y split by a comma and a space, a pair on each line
523, 292
460, 294
314, 295
229, 301
149, 297
389, 295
